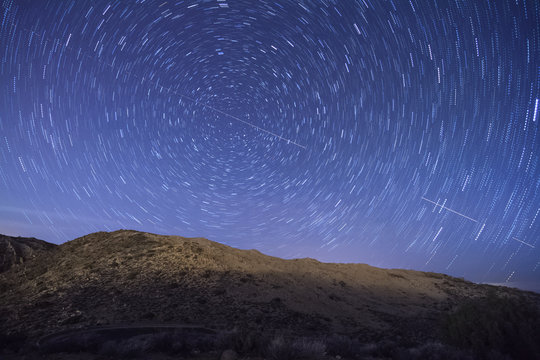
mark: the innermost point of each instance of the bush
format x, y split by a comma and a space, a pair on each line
281, 349
310, 349
495, 327
344, 346
132, 345
434, 351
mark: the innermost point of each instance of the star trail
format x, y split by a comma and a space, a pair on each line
348, 131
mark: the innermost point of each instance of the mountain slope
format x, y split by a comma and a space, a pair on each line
127, 277
17, 250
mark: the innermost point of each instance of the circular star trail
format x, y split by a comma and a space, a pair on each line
395, 133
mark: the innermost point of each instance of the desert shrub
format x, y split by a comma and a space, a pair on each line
495, 326
282, 349
309, 349
123, 345
243, 341
196, 248
437, 275
344, 346
433, 351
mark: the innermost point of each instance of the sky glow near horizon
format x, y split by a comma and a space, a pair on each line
401, 134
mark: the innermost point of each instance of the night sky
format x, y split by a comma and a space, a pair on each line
397, 133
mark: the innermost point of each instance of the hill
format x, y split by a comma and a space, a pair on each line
130, 279
17, 250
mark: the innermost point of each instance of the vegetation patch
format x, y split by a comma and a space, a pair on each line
131, 342
494, 327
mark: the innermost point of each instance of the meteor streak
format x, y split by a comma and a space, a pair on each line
454, 211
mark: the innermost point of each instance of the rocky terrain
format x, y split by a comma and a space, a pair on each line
17, 250
131, 279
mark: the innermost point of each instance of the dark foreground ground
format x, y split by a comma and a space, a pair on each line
159, 342
493, 327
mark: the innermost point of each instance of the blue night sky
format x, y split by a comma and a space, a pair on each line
396, 133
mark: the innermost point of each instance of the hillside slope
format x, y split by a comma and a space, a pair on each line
17, 250
129, 277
